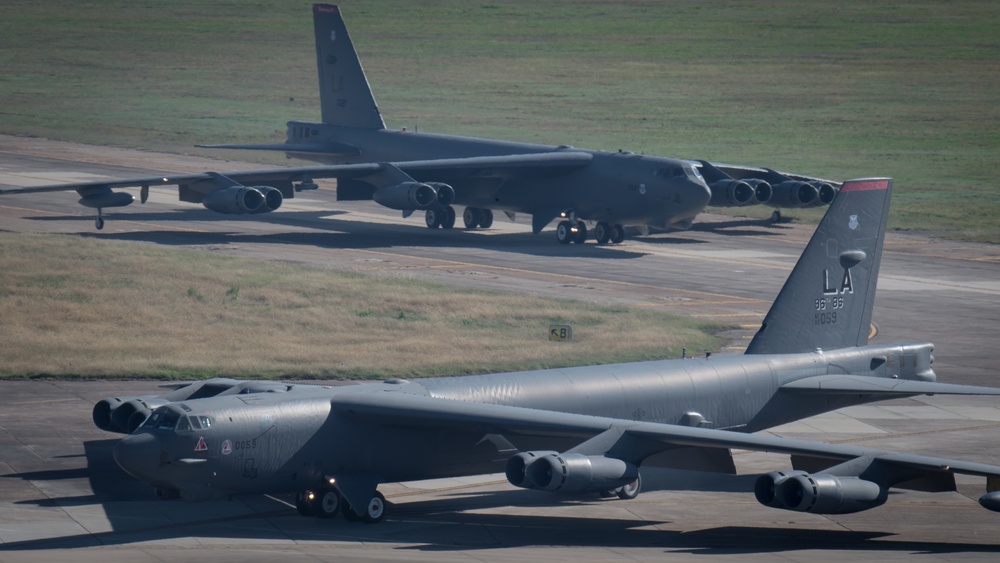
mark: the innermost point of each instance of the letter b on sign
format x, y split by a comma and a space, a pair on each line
560, 333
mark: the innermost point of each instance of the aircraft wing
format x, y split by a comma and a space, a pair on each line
735, 185
740, 172
627, 440
863, 384
552, 162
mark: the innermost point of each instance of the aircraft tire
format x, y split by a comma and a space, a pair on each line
448, 218
631, 490
433, 218
328, 503
471, 217
564, 233
617, 234
776, 217
99, 223
602, 232
485, 218
304, 505
375, 512
580, 236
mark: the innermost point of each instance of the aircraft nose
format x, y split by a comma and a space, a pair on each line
138, 455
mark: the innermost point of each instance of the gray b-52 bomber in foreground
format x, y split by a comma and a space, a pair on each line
575, 430
412, 171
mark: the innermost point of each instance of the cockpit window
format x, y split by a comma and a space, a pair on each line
165, 418
200, 422
162, 419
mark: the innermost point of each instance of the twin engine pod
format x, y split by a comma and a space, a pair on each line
738, 193
818, 493
798, 194
238, 200
569, 473
408, 196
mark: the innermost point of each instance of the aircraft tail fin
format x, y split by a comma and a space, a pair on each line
827, 300
346, 98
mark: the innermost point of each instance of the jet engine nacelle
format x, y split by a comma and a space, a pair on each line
825, 193
569, 473
794, 193
445, 193
238, 200
732, 193
818, 493
762, 190
124, 414
407, 196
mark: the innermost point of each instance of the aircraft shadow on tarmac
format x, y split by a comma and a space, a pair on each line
455, 521
353, 234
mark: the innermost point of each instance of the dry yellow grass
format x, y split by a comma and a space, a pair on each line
74, 306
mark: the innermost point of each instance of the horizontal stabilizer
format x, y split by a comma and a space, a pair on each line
852, 384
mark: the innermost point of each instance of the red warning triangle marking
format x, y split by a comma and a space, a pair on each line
201, 447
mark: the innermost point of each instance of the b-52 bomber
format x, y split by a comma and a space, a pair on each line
415, 171
575, 430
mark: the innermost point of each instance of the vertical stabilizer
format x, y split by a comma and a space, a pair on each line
827, 300
345, 97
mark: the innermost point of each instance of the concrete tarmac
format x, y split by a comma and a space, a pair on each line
62, 497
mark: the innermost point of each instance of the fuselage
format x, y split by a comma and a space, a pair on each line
616, 187
289, 440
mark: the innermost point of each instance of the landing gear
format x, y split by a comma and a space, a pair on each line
775, 217
605, 233
327, 502
443, 217
617, 234
477, 217
373, 513
631, 490
324, 503
564, 232
571, 231
602, 232
99, 221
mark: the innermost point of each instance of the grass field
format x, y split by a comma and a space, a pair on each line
834, 89
96, 308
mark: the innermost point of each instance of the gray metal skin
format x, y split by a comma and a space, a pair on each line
599, 424
412, 171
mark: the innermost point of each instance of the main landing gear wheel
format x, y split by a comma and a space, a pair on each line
602, 232
564, 232
568, 231
325, 503
776, 217
485, 218
328, 503
617, 234
373, 514
443, 217
477, 217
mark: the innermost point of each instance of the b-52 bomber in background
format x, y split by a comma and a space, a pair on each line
575, 430
414, 171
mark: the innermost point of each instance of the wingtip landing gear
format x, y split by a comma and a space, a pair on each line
99, 221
